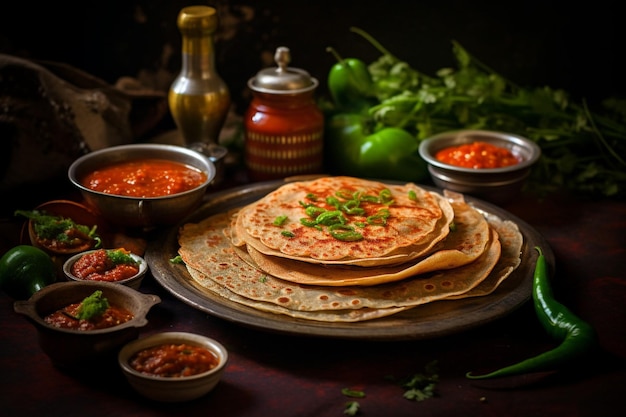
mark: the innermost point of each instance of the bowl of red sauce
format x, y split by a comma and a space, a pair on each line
487, 164
173, 366
76, 330
109, 265
142, 185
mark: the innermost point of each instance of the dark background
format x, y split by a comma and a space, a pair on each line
533, 43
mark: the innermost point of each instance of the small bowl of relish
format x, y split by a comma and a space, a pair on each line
486, 164
117, 265
173, 366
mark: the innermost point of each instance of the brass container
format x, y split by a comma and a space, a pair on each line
199, 99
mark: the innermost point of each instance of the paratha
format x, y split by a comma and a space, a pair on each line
330, 316
463, 245
395, 223
205, 248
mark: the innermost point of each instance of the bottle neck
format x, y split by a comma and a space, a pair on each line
198, 55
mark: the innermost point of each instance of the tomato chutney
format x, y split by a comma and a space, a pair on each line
145, 178
479, 155
66, 318
99, 266
174, 360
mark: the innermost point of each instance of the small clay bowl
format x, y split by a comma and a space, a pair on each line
77, 212
80, 349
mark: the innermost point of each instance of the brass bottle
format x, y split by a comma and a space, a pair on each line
198, 99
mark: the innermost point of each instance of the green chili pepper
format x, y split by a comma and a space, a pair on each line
576, 335
389, 153
350, 84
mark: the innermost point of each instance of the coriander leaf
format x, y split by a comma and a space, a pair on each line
92, 306
352, 408
352, 393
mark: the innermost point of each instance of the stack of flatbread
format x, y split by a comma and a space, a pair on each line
343, 249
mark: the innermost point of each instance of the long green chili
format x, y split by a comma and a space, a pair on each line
576, 335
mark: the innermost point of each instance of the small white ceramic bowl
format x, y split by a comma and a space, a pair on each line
133, 282
173, 389
497, 185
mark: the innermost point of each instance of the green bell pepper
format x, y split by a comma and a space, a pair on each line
24, 270
350, 84
355, 149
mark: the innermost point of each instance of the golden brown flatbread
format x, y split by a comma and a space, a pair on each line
205, 248
463, 245
396, 222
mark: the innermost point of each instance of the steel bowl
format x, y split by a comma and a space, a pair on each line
497, 185
141, 212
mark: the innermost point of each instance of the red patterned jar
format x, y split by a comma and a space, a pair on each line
283, 125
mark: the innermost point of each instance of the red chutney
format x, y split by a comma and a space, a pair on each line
174, 360
98, 266
66, 318
145, 178
479, 155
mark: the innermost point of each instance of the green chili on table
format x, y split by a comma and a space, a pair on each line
576, 335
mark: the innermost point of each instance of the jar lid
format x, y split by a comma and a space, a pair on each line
282, 79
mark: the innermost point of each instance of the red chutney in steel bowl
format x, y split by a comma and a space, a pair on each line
105, 265
479, 155
145, 178
174, 360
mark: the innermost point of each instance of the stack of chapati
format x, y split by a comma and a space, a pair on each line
343, 249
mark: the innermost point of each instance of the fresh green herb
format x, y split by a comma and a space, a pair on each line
287, 233
177, 260
582, 151
422, 385
353, 393
280, 220
263, 278
453, 227
120, 256
92, 306
61, 229
352, 408
412, 195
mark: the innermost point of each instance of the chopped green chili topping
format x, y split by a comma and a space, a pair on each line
280, 220
412, 195
287, 233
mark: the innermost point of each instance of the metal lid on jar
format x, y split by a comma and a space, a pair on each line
282, 79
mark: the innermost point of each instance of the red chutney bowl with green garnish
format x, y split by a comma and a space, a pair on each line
76, 348
490, 165
117, 265
173, 366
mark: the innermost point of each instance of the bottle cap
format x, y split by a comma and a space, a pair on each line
282, 79
198, 19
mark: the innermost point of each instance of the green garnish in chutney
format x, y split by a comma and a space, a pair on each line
92, 306
120, 256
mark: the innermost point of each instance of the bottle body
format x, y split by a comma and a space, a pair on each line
284, 136
198, 98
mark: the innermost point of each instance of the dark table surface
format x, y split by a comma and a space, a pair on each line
276, 374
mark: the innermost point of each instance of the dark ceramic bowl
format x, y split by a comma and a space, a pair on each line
497, 185
75, 349
141, 212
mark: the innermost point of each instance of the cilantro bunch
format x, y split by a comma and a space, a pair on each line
582, 151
